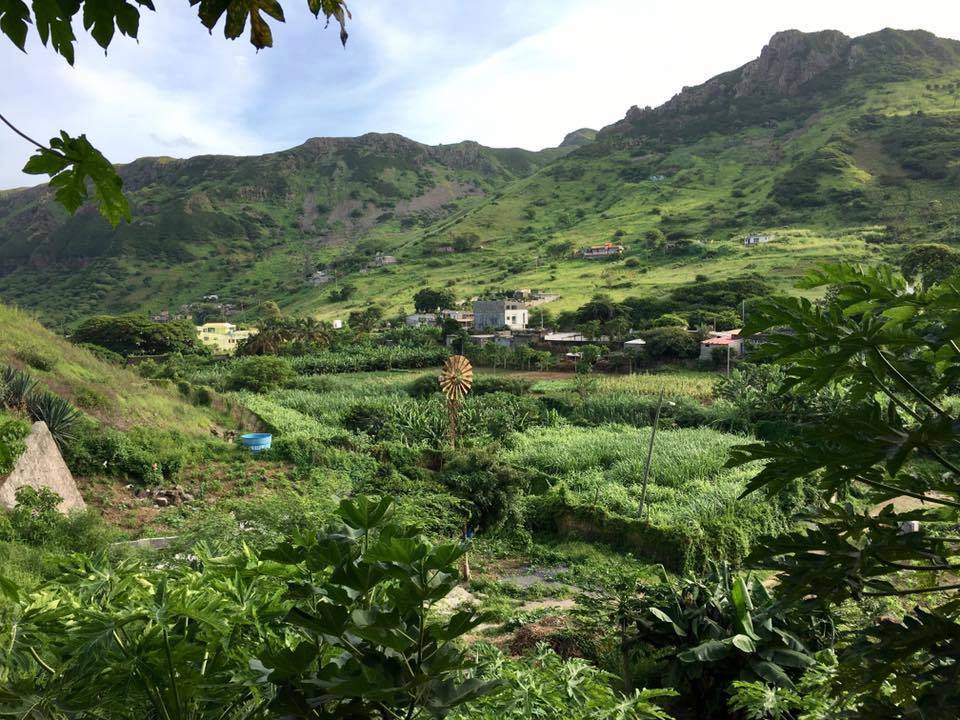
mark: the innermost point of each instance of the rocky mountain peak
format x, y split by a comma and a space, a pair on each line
791, 59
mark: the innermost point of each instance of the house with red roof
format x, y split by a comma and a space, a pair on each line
725, 340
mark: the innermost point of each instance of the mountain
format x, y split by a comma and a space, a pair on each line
840, 147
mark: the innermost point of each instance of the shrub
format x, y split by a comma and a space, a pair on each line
12, 433
36, 359
16, 387
673, 343
203, 396
424, 386
89, 398
260, 373
490, 487
486, 384
58, 414
101, 353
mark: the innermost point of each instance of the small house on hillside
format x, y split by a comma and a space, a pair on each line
606, 250
421, 319
461, 317
381, 260
499, 313
728, 341
222, 337
635, 345
757, 239
321, 277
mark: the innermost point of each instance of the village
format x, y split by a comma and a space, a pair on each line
509, 321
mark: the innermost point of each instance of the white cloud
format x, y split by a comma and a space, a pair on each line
504, 72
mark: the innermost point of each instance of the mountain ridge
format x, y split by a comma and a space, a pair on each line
821, 133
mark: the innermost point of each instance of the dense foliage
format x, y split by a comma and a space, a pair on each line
891, 349
136, 335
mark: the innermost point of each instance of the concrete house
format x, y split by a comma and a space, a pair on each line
222, 337
726, 340
499, 313
421, 319
595, 252
381, 260
321, 277
461, 317
757, 239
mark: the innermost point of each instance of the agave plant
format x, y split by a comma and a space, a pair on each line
57, 413
16, 387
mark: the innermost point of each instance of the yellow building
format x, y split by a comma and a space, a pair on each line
222, 337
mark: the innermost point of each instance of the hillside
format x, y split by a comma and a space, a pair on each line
111, 394
840, 147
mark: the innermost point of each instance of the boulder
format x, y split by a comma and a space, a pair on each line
41, 466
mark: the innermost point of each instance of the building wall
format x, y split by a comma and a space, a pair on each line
499, 313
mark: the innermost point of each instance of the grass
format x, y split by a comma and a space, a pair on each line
113, 395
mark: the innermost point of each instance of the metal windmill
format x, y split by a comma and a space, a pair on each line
456, 379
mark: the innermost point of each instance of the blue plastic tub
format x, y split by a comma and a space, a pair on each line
257, 442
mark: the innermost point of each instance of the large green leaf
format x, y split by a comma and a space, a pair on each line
71, 163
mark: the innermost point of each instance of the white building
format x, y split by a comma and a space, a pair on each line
498, 314
321, 277
420, 319
757, 239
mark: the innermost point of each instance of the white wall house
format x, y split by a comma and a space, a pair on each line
499, 313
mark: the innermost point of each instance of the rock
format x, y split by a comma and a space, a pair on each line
455, 599
161, 501
41, 466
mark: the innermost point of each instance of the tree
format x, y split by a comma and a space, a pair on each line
670, 320
366, 320
892, 351
601, 308
670, 343
465, 242
72, 163
269, 310
931, 262
260, 374
428, 300
135, 335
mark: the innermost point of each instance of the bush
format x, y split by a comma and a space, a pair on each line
58, 414
143, 454
36, 521
260, 373
486, 384
135, 335
673, 343
490, 487
203, 396
36, 359
101, 353
423, 386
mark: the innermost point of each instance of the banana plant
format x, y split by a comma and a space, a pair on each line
720, 629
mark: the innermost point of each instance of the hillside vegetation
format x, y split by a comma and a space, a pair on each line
842, 148
113, 395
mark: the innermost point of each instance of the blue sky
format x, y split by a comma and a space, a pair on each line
503, 72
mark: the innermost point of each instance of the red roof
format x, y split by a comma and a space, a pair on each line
721, 340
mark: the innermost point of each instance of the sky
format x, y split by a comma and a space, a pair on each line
506, 73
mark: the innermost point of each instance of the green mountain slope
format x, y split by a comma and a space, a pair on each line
840, 147
115, 396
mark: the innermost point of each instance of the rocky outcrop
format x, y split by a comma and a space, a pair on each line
41, 466
792, 60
